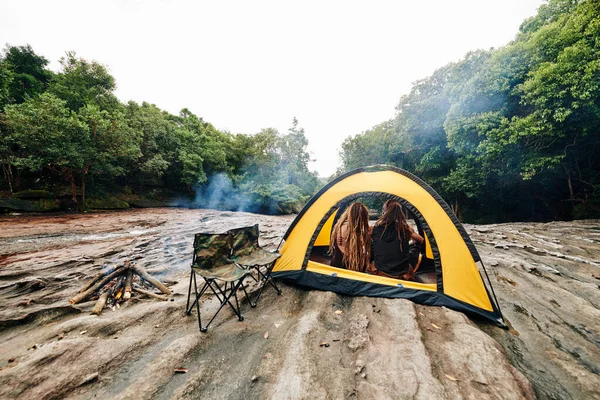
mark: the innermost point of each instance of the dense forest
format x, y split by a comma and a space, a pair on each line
504, 134
510, 133
67, 142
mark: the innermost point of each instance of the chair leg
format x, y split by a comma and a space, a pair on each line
197, 294
226, 300
237, 303
222, 290
270, 280
197, 301
267, 278
187, 306
248, 297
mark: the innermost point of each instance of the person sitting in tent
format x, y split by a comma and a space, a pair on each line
393, 253
350, 244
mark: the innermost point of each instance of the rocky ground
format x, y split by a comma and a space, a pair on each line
302, 344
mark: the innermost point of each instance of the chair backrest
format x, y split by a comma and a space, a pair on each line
211, 250
244, 240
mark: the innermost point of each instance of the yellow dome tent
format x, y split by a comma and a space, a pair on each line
450, 277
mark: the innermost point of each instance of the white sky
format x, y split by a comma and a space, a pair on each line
340, 67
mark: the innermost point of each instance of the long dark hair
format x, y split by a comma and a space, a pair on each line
394, 217
357, 239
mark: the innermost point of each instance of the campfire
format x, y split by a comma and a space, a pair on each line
118, 284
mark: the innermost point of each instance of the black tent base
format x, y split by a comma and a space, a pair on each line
349, 287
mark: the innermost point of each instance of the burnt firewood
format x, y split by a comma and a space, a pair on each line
150, 294
119, 288
128, 282
97, 310
98, 277
153, 281
82, 296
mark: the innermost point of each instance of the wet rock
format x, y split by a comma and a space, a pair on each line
553, 341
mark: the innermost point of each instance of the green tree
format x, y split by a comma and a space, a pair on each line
108, 144
81, 82
49, 136
505, 130
23, 74
158, 141
294, 159
72, 145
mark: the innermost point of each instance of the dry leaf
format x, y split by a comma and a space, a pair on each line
181, 370
430, 330
266, 335
435, 326
339, 312
453, 379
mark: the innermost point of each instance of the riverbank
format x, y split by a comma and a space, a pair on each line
546, 277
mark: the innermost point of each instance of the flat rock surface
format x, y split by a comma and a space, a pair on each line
319, 344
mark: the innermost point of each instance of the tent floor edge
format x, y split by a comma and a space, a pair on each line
311, 280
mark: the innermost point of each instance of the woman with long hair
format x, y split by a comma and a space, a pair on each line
393, 253
350, 244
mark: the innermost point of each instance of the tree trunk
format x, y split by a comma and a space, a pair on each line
73, 185
8, 175
84, 172
570, 183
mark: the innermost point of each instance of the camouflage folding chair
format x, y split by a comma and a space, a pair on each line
248, 253
211, 261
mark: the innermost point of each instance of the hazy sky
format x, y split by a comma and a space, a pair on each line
340, 67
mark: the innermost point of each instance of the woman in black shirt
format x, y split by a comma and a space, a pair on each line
393, 254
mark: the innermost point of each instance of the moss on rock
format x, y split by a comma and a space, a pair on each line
33, 194
109, 203
146, 203
41, 205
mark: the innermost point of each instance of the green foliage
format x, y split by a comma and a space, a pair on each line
374, 146
518, 123
47, 134
70, 126
23, 74
82, 83
275, 159
273, 198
